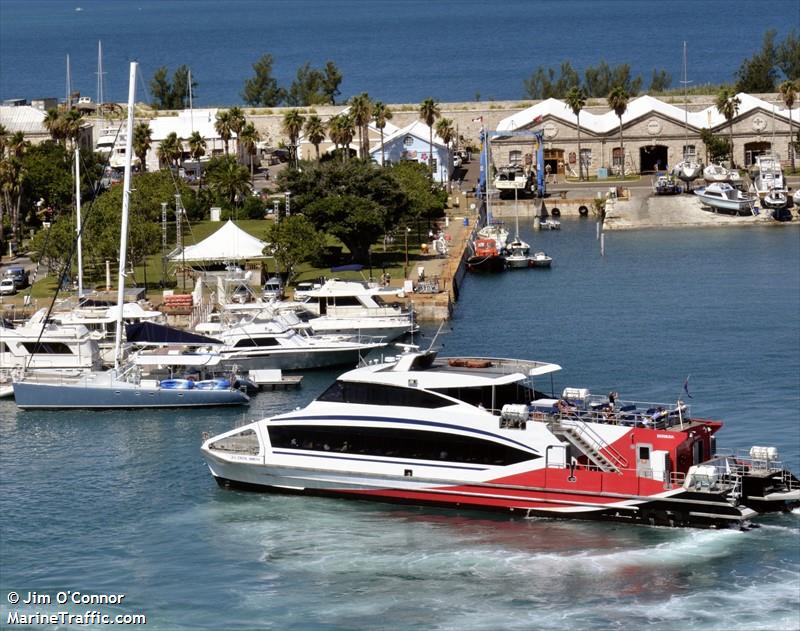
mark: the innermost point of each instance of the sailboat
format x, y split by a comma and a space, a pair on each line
689, 168
123, 386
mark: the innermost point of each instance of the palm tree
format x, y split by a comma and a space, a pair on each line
224, 128
380, 114
428, 113
788, 90
3, 139
197, 146
238, 121
315, 132
230, 180
618, 101
248, 137
446, 131
292, 126
142, 140
72, 122
170, 150
11, 178
361, 111
54, 124
727, 104
576, 100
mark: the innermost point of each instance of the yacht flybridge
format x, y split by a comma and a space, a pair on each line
478, 433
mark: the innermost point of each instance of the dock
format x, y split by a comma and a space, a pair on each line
274, 380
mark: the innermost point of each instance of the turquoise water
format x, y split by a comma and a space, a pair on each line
123, 502
400, 51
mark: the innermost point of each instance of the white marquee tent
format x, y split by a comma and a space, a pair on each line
229, 243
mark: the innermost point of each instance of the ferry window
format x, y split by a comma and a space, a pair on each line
396, 443
380, 394
47, 347
250, 342
516, 392
644, 453
3, 347
245, 442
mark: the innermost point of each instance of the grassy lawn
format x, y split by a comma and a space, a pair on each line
391, 261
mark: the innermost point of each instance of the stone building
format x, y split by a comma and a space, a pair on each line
655, 135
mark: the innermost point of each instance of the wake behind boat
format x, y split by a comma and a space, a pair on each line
477, 433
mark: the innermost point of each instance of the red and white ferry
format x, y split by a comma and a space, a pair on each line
478, 433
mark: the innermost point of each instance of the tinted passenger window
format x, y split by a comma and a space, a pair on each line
379, 394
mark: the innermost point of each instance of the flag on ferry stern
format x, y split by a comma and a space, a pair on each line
686, 386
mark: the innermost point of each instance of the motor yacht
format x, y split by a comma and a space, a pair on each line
487, 433
722, 196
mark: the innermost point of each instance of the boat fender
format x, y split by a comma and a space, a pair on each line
555, 212
583, 211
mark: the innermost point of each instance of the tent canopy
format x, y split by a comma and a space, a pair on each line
229, 243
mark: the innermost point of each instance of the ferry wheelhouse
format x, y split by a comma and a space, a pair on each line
479, 433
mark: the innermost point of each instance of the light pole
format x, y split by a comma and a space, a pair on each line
405, 267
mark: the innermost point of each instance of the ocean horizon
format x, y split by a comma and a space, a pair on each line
400, 51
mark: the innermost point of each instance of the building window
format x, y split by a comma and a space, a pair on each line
515, 157
434, 165
586, 158
689, 151
617, 157
408, 141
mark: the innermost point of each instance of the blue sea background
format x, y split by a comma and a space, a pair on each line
400, 51
122, 502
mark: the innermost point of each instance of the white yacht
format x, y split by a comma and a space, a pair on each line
768, 173
497, 232
272, 343
43, 345
477, 433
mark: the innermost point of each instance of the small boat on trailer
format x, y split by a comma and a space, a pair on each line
776, 198
723, 196
477, 433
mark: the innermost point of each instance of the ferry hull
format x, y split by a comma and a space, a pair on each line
294, 360
676, 507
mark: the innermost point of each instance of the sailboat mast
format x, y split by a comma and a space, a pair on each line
126, 193
100, 73
78, 223
191, 108
68, 100
685, 107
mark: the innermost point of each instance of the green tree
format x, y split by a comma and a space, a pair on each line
228, 179
446, 131
292, 241
717, 148
380, 114
237, 123
576, 101
727, 104
759, 73
224, 128
361, 111
788, 90
180, 88
331, 81
292, 125
248, 141
161, 89
171, 94
788, 56
142, 141
308, 87
262, 90
170, 150
54, 124
660, 81
424, 200
602, 79
618, 101
315, 132
197, 146
428, 112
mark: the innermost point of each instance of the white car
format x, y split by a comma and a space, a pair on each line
7, 287
456, 161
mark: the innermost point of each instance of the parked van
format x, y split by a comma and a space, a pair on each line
18, 275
